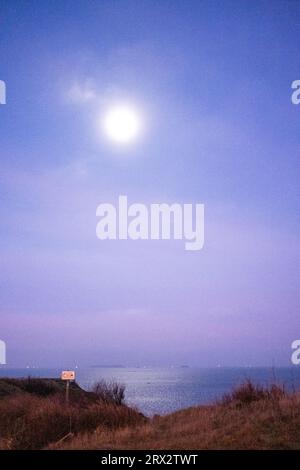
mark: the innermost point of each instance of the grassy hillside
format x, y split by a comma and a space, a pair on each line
39, 387
250, 417
33, 412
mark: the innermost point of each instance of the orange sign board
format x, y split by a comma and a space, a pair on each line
68, 375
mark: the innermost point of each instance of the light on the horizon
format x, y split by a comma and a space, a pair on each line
122, 124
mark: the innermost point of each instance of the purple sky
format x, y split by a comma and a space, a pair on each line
213, 82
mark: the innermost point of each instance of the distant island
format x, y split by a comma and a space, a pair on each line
109, 366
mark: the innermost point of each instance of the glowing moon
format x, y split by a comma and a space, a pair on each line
122, 124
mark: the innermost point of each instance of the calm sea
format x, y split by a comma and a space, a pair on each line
159, 391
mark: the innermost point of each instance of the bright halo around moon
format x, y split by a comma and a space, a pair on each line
122, 124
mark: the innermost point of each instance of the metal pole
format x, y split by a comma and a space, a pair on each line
67, 391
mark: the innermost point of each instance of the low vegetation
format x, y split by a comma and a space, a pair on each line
248, 393
250, 417
33, 412
109, 392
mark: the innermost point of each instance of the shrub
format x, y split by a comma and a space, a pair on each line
109, 392
248, 392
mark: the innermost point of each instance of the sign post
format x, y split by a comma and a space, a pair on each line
68, 375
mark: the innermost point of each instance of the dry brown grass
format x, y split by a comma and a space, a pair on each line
32, 422
248, 392
249, 418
